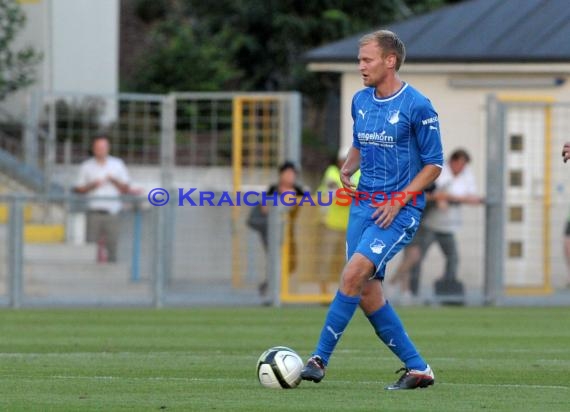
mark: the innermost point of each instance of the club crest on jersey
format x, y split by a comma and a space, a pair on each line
377, 246
394, 116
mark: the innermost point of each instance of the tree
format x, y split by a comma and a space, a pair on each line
177, 58
16, 66
251, 44
254, 45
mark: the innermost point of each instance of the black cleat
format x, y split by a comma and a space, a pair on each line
412, 379
314, 370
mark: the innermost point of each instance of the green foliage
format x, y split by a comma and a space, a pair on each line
16, 66
255, 45
179, 60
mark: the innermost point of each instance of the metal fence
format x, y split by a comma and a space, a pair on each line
248, 133
170, 255
511, 250
528, 188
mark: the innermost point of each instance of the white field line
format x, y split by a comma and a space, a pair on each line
234, 380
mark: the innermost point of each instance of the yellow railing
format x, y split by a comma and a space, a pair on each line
545, 287
252, 140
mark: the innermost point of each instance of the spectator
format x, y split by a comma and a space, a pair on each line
454, 187
103, 175
258, 219
411, 257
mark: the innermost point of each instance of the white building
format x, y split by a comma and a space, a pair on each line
79, 41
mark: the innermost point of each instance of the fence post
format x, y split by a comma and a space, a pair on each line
167, 164
495, 204
51, 145
137, 233
274, 257
159, 256
15, 249
167, 140
292, 127
31, 130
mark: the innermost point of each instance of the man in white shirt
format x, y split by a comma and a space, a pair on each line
103, 175
454, 186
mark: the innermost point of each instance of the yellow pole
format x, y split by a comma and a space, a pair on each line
285, 251
546, 287
252, 134
547, 202
237, 160
266, 133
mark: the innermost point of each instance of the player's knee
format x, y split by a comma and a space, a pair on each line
353, 279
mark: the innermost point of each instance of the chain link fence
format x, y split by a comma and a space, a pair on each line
168, 255
512, 250
528, 192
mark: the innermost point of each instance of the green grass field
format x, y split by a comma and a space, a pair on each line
512, 359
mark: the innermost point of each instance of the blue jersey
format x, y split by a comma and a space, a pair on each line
397, 136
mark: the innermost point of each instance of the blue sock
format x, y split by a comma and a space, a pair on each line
390, 330
340, 312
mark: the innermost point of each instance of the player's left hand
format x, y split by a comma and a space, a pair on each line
566, 151
386, 213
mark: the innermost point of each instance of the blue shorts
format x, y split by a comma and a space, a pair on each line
375, 243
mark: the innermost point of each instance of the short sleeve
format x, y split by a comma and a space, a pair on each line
82, 175
425, 123
355, 141
471, 186
119, 171
123, 173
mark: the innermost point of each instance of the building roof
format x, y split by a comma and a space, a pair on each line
486, 31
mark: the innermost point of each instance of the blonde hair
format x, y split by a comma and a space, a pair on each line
388, 42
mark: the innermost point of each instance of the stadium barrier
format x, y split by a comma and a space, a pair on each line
527, 200
511, 251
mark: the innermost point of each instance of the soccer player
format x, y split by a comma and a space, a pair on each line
397, 146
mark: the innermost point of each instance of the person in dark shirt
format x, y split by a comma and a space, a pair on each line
287, 183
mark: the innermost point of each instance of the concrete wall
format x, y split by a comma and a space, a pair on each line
79, 40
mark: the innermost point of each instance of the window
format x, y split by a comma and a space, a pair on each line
516, 214
515, 249
516, 143
516, 178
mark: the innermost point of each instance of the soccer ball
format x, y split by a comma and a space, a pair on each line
280, 368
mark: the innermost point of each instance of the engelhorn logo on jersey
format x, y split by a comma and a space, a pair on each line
375, 137
393, 116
